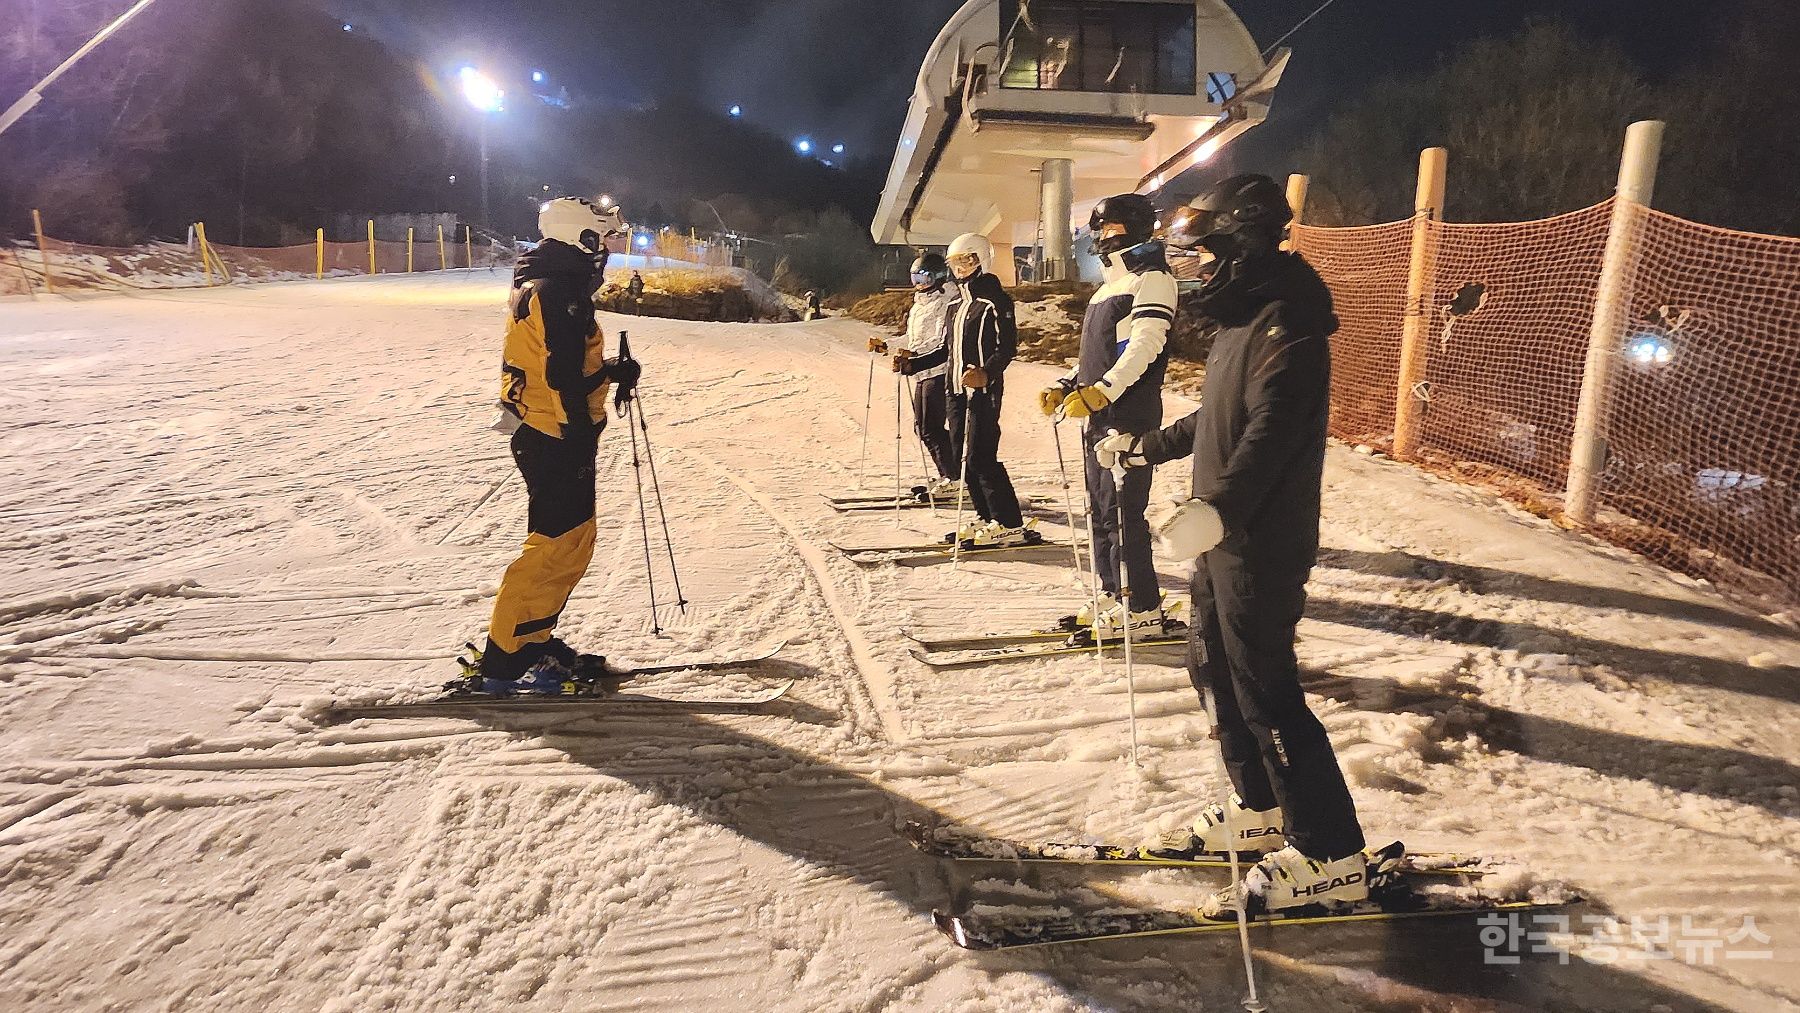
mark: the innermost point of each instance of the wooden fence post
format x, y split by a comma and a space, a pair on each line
205, 252
37, 222
1428, 205
1296, 198
1612, 309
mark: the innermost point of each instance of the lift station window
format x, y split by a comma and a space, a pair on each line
1098, 45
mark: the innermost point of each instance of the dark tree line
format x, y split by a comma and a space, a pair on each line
1535, 122
265, 119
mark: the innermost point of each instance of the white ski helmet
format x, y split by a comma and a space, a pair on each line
971, 244
579, 222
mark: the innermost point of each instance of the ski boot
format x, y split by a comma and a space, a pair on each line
966, 534
1286, 879
583, 668
1253, 831
996, 536
1113, 624
1083, 617
547, 676
938, 490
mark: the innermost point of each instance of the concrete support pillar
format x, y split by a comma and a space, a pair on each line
1058, 226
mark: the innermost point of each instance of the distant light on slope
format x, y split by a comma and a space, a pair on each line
803, 146
481, 91
837, 149
736, 110
537, 77
1649, 350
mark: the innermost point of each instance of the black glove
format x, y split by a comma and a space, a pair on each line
624, 374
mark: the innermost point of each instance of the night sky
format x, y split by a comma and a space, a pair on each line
842, 70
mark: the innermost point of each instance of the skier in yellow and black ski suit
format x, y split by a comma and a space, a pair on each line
554, 384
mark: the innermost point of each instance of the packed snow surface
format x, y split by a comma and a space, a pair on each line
224, 509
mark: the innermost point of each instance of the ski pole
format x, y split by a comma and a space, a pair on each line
1251, 1003
962, 482
862, 467
1118, 473
643, 420
1093, 571
898, 380
1062, 468
637, 472
924, 464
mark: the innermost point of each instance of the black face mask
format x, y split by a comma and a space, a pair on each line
1235, 294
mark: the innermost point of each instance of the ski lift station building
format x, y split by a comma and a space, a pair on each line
1027, 112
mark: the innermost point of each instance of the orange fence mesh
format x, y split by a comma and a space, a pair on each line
1366, 269
79, 266
1703, 432
1501, 382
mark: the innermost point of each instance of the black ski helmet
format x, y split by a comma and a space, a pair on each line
1233, 216
1132, 210
930, 272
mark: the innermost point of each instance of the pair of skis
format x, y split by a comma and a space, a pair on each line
967, 651
930, 553
913, 499
600, 691
1395, 894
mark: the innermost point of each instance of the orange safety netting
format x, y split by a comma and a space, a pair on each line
1703, 428
1704, 433
1501, 381
1366, 268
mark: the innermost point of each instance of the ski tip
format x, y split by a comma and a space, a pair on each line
953, 927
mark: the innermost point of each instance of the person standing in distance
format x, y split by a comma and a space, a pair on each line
1117, 386
980, 339
554, 381
925, 333
1252, 527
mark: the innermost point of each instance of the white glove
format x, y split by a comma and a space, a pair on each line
1120, 450
1191, 531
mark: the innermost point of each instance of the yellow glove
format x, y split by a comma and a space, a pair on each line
1051, 398
1084, 401
878, 346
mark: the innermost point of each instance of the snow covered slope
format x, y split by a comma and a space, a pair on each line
221, 507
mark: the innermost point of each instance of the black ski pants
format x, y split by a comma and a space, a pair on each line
990, 487
932, 424
1277, 752
1106, 498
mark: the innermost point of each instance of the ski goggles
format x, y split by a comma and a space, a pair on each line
922, 278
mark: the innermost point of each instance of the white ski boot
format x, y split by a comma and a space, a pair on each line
1113, 623
1083, 617
1254, 831
940, 490
1286, 879
966, 534
996, 536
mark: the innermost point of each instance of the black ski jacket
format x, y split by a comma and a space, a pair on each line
1258, 439
979, 330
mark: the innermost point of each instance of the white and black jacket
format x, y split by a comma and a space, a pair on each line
1125, 342
925, 327
979, 330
